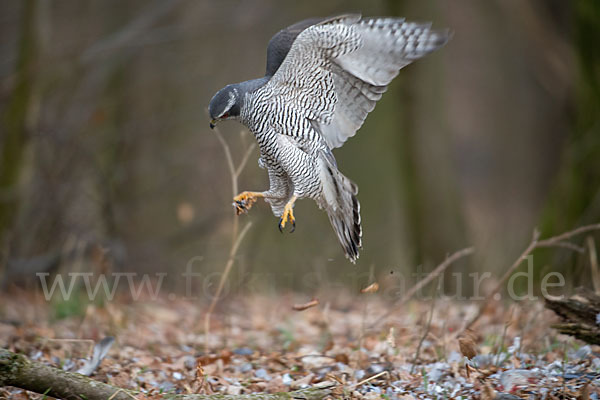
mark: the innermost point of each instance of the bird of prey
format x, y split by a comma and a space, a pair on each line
323, 77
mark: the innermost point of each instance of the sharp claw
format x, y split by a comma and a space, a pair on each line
293, 226
280, 227
239, 207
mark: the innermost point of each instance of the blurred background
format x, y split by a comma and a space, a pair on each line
107, 162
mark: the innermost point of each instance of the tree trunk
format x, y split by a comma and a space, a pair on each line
14, 122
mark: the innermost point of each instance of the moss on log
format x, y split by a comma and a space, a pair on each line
18, 371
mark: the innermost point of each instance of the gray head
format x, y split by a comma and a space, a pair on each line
225, 104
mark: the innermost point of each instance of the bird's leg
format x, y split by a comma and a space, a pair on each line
288, 213
243, 201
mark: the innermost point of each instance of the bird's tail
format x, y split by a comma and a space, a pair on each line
339, 200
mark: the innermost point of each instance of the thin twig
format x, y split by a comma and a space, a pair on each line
503, 337
244, 161
236, 239
120, 390
555, 241
369, 379
136, 28
570, 234
566, 245
217, 295
427, 328
435, 273
230, 164
594, 264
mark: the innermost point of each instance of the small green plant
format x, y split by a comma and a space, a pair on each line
45, 394
425, 379
287, 337
72, 306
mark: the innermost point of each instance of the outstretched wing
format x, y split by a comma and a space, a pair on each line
281, 43
336, 70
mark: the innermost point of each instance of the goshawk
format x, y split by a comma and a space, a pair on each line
323, 77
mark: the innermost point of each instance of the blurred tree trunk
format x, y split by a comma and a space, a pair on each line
15, 122
433, 208
575, 199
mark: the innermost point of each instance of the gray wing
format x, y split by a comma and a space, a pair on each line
281, 43
336, 70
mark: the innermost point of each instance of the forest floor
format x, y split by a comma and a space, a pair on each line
263, 344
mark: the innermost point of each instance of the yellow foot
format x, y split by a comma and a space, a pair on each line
288, 214
243, 201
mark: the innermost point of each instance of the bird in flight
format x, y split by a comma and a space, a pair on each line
323, 77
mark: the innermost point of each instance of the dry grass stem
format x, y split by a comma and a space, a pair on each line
236, 239
369, 379
503, 337
121, 391
224, 276
427, 329
594, 264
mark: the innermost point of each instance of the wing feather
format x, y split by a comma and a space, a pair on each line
336, 70
281, 43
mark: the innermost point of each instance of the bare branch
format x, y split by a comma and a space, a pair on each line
566, 245
570, 234
244, 161
435, 273
217, 295
594, 264
229, 158
135, 28
236, 239
427, 328
555, 241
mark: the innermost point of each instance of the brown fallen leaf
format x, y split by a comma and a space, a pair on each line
276, 385
372, 288
343, 358
585, 392
487, 392
467, 346
199, 379
305, 306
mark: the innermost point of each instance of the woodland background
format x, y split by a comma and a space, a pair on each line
107, 162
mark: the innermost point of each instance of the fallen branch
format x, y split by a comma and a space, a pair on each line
18, 371
578, 314
555, 241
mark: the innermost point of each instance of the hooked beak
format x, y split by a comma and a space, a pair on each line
213, 122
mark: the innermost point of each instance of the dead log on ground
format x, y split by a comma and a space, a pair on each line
18, 371
580, 315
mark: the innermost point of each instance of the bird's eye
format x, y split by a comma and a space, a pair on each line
226, 115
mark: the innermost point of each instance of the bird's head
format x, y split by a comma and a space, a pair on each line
225, 104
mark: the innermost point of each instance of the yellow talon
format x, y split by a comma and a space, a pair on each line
288, 214
244, 201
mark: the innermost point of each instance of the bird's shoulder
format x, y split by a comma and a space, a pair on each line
280, 44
